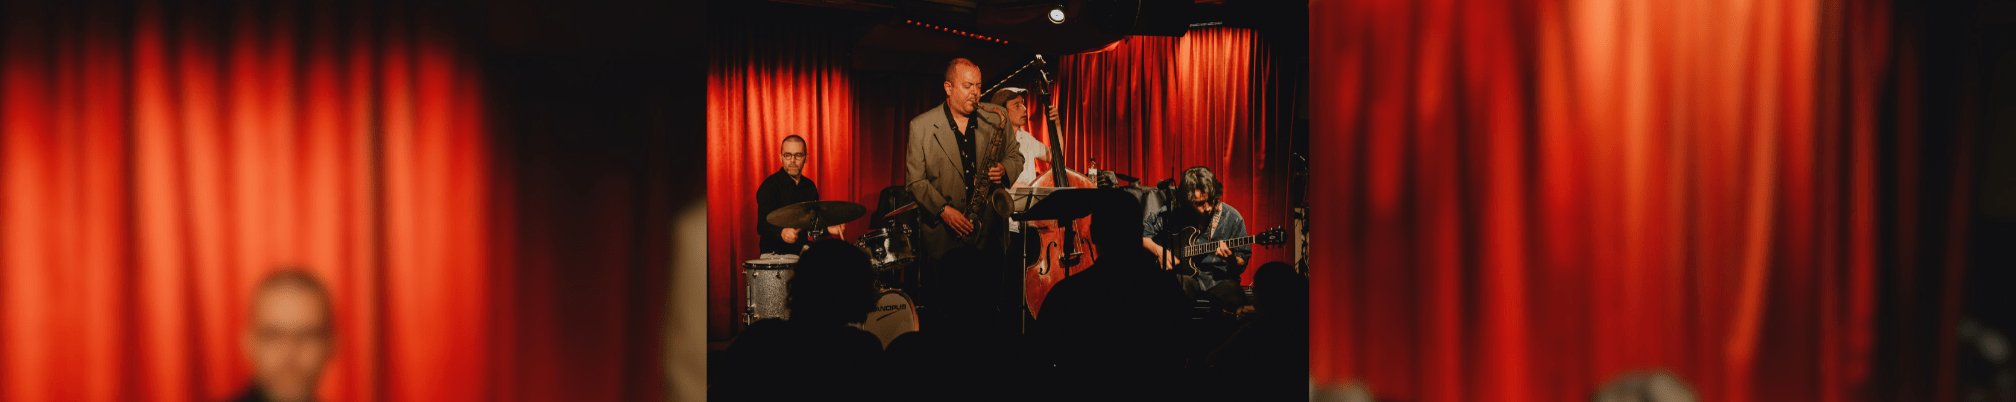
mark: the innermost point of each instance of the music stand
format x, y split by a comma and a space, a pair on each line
1021, 199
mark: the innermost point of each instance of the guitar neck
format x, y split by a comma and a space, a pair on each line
1212, 247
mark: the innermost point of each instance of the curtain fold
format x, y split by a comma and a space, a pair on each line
1535, 197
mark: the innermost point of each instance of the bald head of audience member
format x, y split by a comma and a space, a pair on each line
290, 336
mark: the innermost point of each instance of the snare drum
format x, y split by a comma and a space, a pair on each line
888, 249
894, 316
764, 284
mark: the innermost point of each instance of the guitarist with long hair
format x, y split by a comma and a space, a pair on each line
1200, 215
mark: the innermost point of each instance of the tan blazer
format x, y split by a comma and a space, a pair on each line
932, 174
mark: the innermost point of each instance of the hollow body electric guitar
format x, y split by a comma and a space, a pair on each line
1189, 244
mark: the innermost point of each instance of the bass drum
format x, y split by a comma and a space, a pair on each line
894, 316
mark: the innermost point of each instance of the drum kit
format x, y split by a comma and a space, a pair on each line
888, 249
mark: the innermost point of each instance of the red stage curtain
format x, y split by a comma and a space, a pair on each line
1152, 106
1528, 198
155, 162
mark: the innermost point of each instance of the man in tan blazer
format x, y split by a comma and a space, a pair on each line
946, 146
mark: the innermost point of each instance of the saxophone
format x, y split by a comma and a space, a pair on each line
980, 194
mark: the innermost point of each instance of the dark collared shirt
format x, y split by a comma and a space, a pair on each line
968, 150
776, 192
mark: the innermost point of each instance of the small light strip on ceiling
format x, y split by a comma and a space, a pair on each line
1207, 24
980, 37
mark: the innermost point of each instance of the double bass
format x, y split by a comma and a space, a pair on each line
1065, 246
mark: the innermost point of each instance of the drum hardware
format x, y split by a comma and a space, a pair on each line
888, 248
765, 289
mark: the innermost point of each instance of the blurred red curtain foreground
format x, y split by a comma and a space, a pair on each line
1529, 198
156, 162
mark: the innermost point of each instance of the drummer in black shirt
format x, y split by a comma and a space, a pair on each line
788, 186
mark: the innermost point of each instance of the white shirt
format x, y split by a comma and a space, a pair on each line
1030, 151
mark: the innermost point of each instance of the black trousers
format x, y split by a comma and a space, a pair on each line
976, 290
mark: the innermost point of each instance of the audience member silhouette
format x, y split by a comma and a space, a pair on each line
816, 354
1269, 355
960, 354
1113, 330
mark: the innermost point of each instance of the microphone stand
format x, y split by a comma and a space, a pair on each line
1004, 80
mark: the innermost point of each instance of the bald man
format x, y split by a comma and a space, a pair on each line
947, 145
289, 337
947, 152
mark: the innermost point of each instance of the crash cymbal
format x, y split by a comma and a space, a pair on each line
806, 215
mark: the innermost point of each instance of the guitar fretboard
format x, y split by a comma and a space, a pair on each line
1212, 247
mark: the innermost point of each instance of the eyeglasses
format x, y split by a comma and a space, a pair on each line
800, 155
